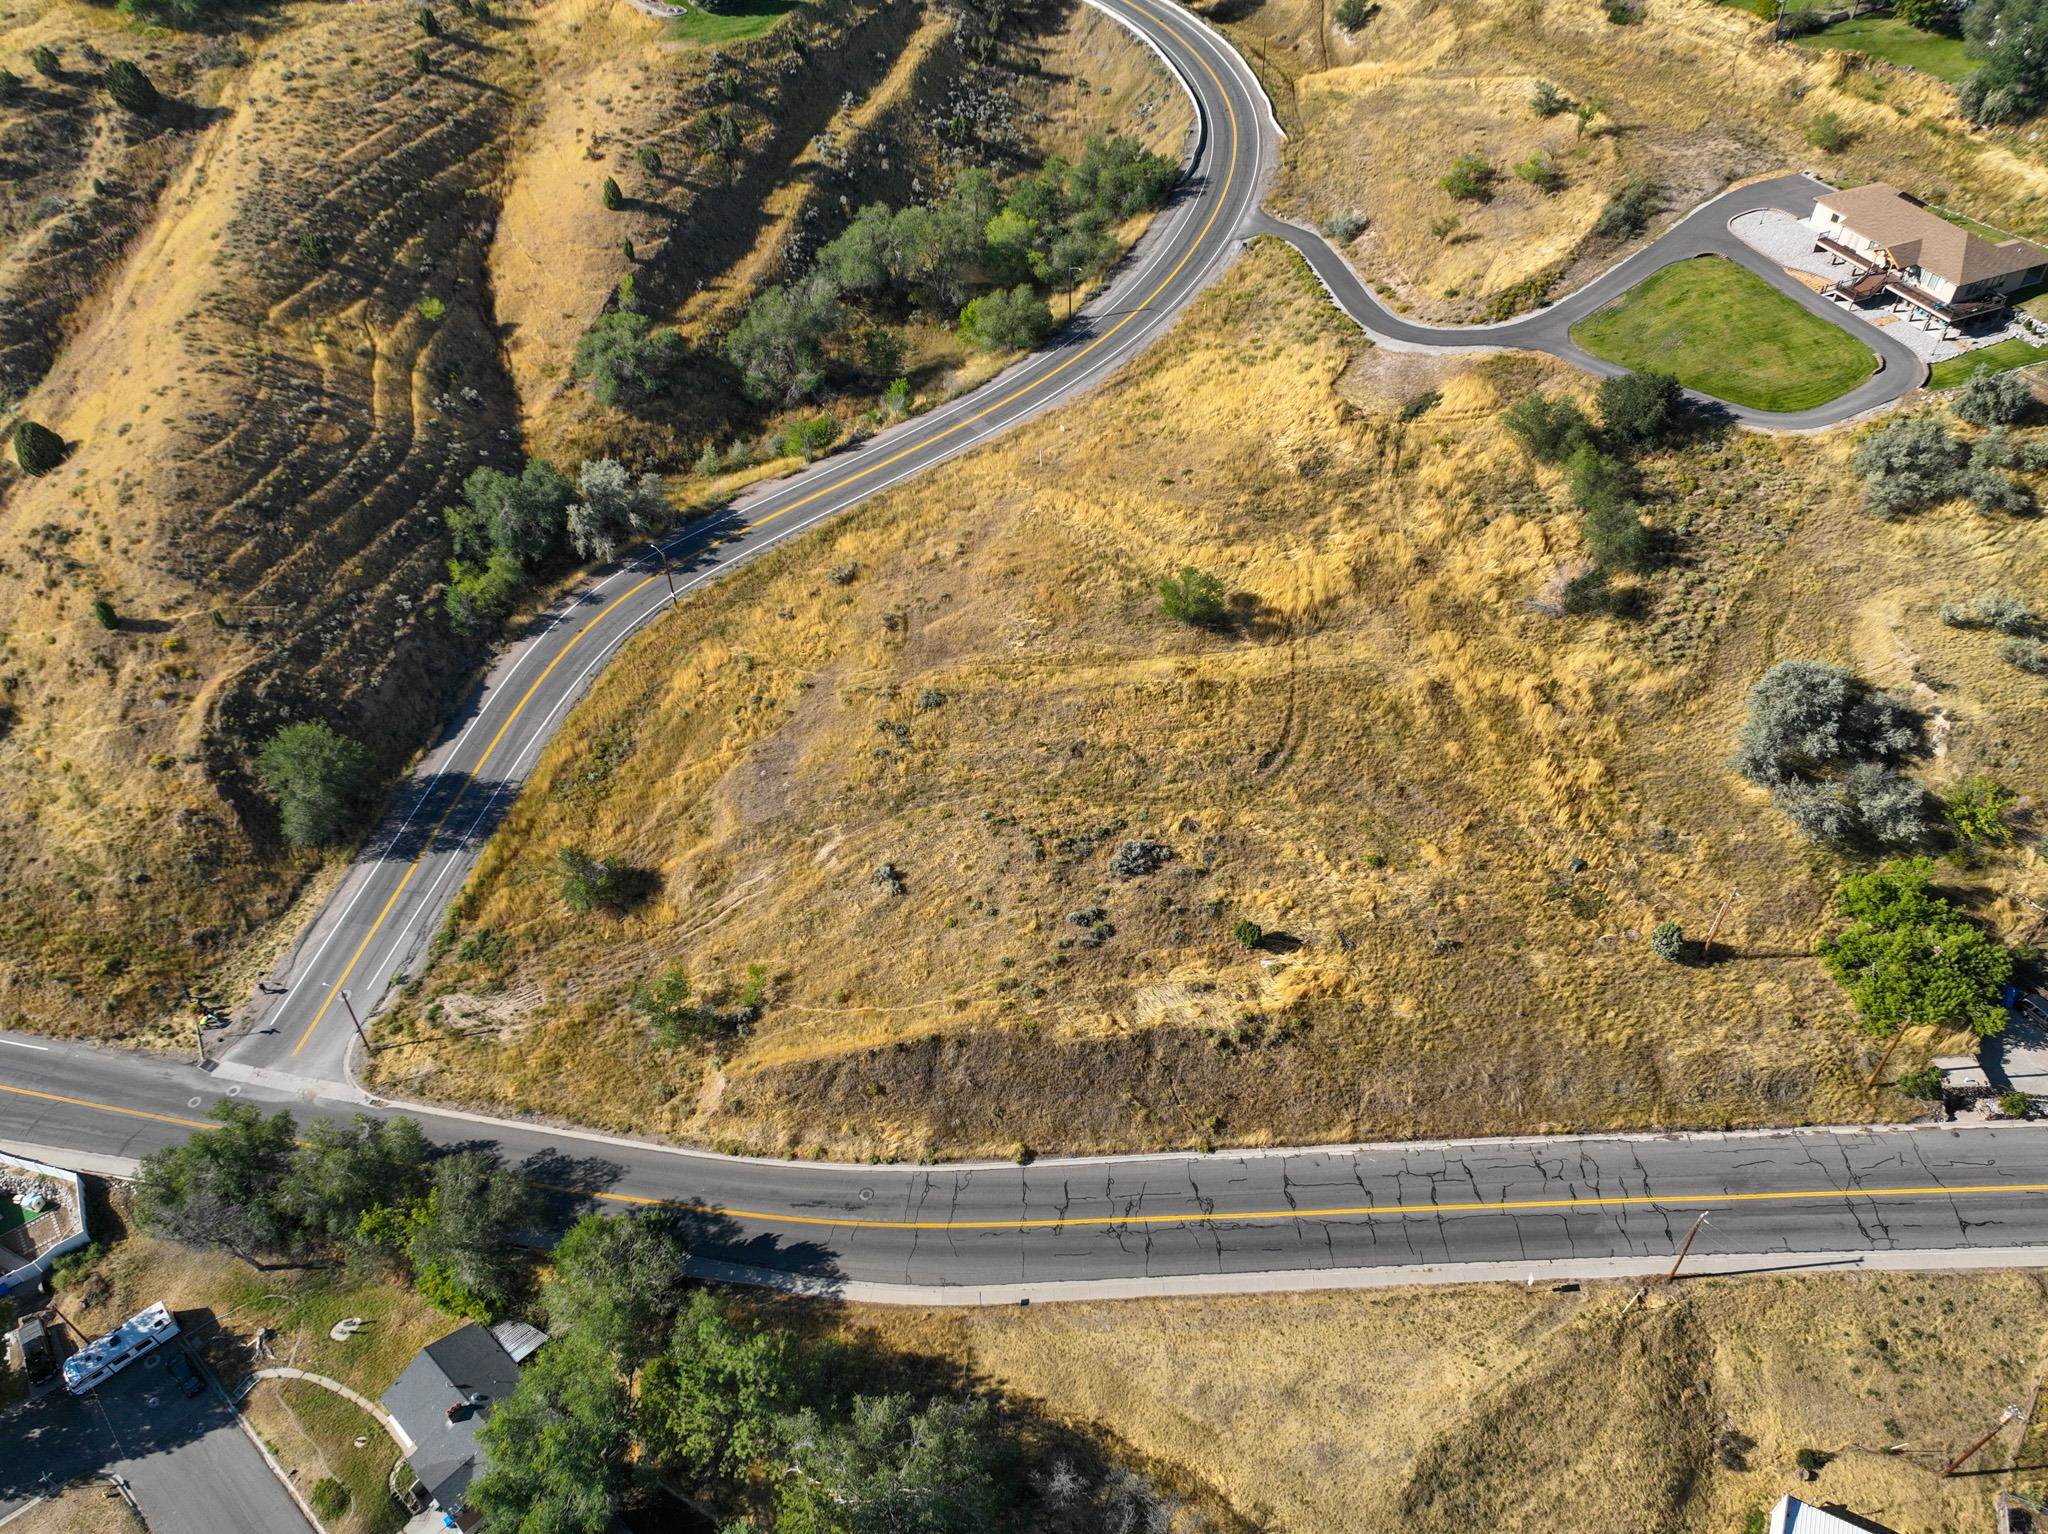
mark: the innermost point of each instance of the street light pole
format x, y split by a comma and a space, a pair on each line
356, 1020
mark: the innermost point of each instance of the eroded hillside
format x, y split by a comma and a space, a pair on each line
1690, 96
893, 767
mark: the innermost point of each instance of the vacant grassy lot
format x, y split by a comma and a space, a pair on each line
1692, 96
1458, 818
1725, 331
730, 23
93, 1507
1500, 1408
1888, 38
2015, 353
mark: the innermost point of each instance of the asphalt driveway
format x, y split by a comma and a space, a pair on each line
187, 1463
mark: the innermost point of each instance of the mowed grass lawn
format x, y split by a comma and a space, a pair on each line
2016, 352
1885, 37
733, 22
1726, 332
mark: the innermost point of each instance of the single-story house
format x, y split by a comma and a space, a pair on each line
1896, 248
443, 1397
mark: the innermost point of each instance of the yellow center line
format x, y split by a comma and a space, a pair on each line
1212, 1216
1229, 177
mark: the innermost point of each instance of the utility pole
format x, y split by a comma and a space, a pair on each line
1707, 948
1884, 1059
1686, 1247
2010, 1414
356, 1020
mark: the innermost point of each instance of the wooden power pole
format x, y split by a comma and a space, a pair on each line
2010, 1414
1686, 1246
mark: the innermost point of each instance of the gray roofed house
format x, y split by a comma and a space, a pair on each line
442, 1399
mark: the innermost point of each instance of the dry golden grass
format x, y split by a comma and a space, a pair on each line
91, 1508
1497, 1408
1697, 96
1466, 815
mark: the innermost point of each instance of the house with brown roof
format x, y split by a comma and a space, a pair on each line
1898, 249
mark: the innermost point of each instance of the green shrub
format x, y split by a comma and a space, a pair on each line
37, 449
1639, 409
1194, 597
1908, 465
43, 60
628, 361
1990, 610
1667, 941
1350, 15
103, 613
649, 158
664, 1000
329, 1497
318, 778
314, 250
896, 398
1344, 227
1975, 811
1541, 172
1470, 179
1551, 429
10, 85
1923, 1082
1630, 209
610, 195
1546, 100
431, 308
1599, 481
130, 89
1617, 538
73, 1267
810, 438
427, 21
589, 883
1812, 1459
1992, 399
422, 61
2015, 1105
1249, 934
1828, 134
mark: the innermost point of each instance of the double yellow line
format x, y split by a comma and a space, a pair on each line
1571, 1205
1223, 196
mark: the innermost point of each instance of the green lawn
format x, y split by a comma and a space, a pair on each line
1726, 332
2016, 353
733, 22
1765, 10
1885, 37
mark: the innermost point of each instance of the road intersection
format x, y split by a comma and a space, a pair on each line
1936, 1195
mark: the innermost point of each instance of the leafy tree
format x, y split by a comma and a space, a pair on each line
1927, 15
893, 1468
521, 516
1869, 805
1599, 481
665, 1001
618, 1279
1976, 811
1639, 409
861, 259
1470, 179
1016, 320
612, 505
709, 1404
556, 1447
1079, 251
778, 344
2011, 37
220, 1187
610, 195
104, 615
1908, 956
1117, 177
1992, 399
318, 778
1807, 719
130, 89
1667, 941
37, 449
628, 361
342, 1171
1617, 538
1551, 429
1194, 597
1909, 464
481, 596
810, 437
457, 1239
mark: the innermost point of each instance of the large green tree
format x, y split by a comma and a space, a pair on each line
894, 1468
619, 1278
341, 1171
220, 1187
458, 1238
318, 778
2011, 37
557, 1445
1908, 956
709, 1403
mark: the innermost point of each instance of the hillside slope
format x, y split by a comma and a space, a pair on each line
892, 764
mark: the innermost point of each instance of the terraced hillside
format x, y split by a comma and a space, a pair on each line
882, 783
1689, 96
263, 432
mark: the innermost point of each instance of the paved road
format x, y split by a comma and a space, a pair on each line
1584, 1205
1145, 1219
188, 1464
1704, 232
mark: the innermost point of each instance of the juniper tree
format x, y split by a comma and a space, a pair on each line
36, 448
131, 89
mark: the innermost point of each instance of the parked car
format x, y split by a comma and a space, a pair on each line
186, 1373
32, 1346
